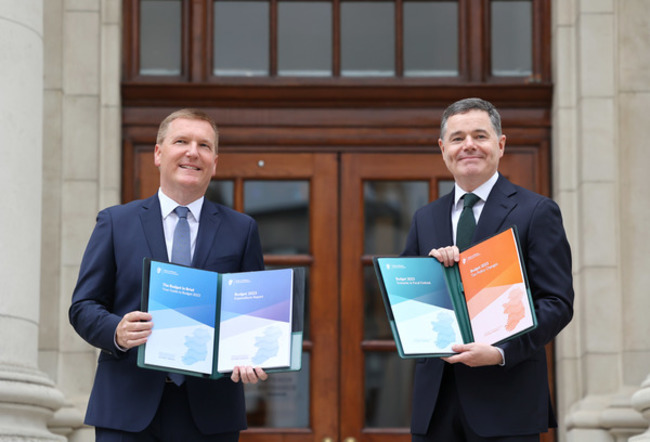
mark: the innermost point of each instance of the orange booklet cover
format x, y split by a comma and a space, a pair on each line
495, 289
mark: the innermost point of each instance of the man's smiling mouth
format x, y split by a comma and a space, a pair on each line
185, 166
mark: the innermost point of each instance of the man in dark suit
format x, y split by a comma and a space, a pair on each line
129, 403
490, 393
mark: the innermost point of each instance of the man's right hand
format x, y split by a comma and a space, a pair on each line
446, 255
133, 329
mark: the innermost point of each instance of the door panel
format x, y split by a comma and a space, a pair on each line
294, 199
368, 356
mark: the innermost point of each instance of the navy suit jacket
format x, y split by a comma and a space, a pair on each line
512, 399
124, 396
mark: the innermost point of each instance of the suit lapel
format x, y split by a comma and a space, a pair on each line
497, 207
442, 222
151, 219
208, 226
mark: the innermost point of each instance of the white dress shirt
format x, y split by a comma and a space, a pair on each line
170, 219
482, 191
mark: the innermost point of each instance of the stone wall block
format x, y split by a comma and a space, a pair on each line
596, 57
81, 49
634, 35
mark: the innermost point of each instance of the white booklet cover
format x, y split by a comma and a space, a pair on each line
255, 319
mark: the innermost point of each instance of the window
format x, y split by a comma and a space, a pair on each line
430, 39
304, 39
439, 41
241, 38
511, 25
160, 37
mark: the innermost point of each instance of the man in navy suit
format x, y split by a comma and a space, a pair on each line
129, 403
483, 392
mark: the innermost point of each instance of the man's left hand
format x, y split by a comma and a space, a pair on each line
248, 375
475, 355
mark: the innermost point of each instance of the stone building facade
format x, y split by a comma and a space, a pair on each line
60, 119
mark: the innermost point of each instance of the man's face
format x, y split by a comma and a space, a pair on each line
471, 148
187, 159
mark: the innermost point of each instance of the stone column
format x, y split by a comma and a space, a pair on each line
641, 403
27, 397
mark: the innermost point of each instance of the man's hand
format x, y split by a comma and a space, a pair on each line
248, 375
475, 355
446, 255
133, 329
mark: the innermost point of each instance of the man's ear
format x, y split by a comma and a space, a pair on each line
502, 145
156, 156
214, 168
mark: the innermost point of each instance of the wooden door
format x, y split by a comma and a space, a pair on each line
294, 199
332, 212
379, 193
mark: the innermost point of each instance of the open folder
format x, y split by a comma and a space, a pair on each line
483, 298
206, 323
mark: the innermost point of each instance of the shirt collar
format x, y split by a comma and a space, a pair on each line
482, 191
167, 205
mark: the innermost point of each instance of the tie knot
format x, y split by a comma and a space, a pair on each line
469, 199
181, 211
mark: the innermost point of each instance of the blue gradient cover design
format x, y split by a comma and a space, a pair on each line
421, 306
255, 327
182, 302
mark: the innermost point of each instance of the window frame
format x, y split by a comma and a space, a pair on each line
474, 46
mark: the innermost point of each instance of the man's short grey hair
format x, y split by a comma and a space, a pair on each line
470, 104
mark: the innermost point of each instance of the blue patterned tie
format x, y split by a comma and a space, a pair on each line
181, 248
466, 222
181, 254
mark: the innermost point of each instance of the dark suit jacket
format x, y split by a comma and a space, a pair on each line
126, 397
513, 399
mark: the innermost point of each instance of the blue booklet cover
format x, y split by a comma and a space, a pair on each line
419, 306
182, 302
206, 323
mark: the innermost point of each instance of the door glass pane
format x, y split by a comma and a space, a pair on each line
281, 209
282, 401
444, 187
512, 37
305, 39
222, 192
430, 38
388, 390
160, 37
375, 321
241, 38
367, 38
388, 209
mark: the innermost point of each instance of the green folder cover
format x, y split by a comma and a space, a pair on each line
205, 322
483, 298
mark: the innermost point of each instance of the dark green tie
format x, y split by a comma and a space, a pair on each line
466, 222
